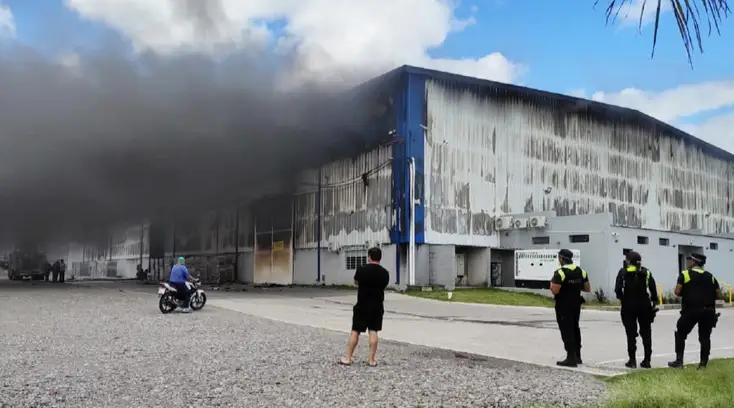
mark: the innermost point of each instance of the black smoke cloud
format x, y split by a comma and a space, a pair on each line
119, 137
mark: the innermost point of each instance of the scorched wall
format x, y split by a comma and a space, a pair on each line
355, 203
490, 152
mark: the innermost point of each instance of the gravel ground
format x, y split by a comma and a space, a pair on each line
66, 346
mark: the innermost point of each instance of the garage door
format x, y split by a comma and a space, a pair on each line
274, 241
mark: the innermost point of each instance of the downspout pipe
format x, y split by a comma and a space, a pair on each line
411, 238
318, 229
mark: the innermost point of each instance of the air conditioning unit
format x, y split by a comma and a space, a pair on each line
503, 223
333, 247
520, 223
538, 222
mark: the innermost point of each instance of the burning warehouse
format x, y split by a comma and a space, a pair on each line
463, 182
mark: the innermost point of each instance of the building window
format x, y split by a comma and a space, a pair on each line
626, 251
354, 262
541, 240
664, 242
713, 246
642, 240
578, 238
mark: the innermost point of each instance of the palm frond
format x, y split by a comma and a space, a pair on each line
688, 18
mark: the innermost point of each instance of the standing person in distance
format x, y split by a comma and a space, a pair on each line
632, 286
371, 280
55, 270
62, 271
699, 290
566, 285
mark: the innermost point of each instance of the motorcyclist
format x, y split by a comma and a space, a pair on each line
179, 276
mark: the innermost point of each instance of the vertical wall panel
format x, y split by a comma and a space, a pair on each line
354, 212
490, 153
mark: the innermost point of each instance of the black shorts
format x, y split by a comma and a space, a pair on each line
367, 319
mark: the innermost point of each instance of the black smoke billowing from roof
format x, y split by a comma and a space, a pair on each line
115, 138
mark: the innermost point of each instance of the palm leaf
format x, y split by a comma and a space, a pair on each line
688, 17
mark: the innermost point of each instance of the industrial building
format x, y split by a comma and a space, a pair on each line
464, 173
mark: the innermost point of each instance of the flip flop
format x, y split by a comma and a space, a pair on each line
372, 364
345, 363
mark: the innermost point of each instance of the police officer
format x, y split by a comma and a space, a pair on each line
699, 291
632, 286
566, 285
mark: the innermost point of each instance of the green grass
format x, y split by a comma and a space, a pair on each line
668, 388
487, 296
492, 296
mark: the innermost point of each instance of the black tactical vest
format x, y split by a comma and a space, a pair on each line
636, 281
699, 289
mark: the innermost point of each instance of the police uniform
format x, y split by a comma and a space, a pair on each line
568, 306
632, 287
699, 291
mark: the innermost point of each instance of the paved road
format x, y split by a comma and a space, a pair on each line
105, 345
518, 333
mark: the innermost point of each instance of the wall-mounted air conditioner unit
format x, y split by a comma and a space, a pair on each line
538, 222
503, 223
520, 223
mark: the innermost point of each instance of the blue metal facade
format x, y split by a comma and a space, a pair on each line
411, 118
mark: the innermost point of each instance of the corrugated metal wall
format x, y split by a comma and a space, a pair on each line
493, 154
356, 202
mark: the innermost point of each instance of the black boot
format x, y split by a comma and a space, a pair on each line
631, 352
579, 361
648, 355
631, 363
570, 361
677, 363
646, 362
705, 352
680, 347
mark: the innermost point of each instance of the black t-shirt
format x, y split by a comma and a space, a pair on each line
699, 289
372, 279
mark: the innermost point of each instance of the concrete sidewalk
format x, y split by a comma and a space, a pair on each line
518, 333
525, 334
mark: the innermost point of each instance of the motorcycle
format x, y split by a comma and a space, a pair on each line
168, 300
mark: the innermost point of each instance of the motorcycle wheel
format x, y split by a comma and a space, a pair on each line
198, 301
165, 304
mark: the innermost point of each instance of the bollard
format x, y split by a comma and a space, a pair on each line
660, 294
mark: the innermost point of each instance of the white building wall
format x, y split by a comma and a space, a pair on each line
596, 259
334, 268
494, 154
603, 254
662, 260
353, 212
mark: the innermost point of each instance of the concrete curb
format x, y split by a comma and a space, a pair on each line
661, 307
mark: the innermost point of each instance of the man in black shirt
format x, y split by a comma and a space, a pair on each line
371, 280
566, 285
698, 290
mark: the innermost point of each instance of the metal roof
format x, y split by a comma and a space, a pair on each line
572, 103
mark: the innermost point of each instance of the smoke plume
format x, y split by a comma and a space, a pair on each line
112, 137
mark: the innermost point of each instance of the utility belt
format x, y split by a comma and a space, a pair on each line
708, 310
